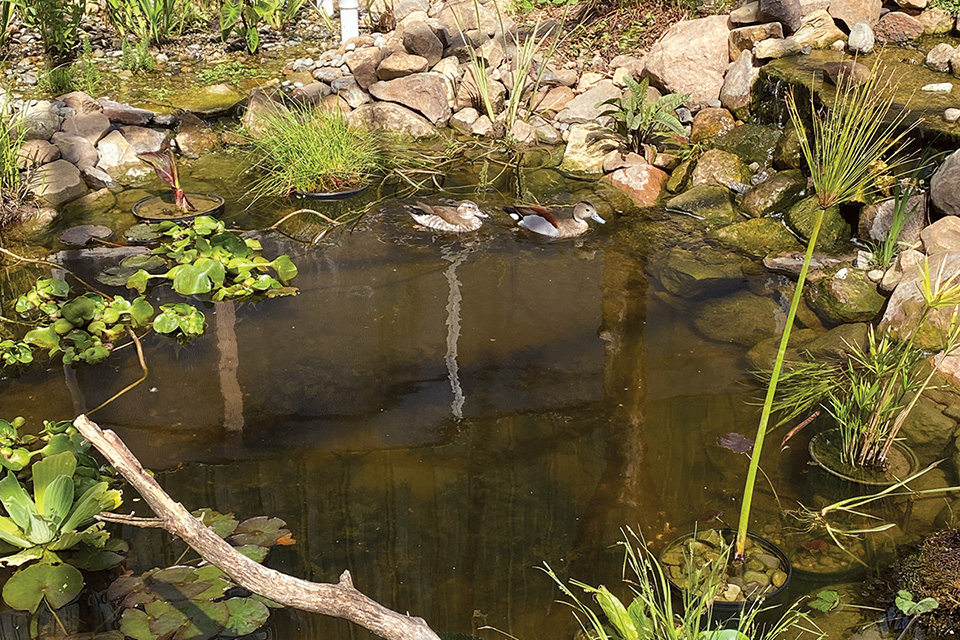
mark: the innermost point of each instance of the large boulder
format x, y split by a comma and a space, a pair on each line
742, 318
942, 236
844, 295
144, 140
419, 39
833, 230
737, 85
81, 103
851, 12
775, 194
818, 30
786, 12
120, 113
897, 26
586, 148
118, 157
92, 126
57, 183
40, 121
400, 64
425, 93
719, 168
710, 203
363, 65
691, 58
34, 153
75, 149
945, 187
391, 118
643, 183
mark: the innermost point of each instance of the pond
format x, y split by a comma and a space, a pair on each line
442, 415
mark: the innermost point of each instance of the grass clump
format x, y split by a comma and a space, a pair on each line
312, 151
12, 185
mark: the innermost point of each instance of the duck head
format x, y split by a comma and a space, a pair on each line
585, 210
469, 209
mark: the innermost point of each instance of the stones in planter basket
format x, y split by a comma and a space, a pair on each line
92, 126
421, 40
737, 85
195, 138
40, 121
34, 153
802, 216
851, 12
643, 183
583, 108
742, 318
691, 58
876, 218
710, 203
57, 183
75, 149
775, 194
945, 187
119, 113
391, 118
898, 26
720, 168
844, 295
425, 93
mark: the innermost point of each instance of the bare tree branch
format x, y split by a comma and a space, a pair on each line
340, 600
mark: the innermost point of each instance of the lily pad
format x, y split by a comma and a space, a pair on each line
142, 233
115, 276
145, 261
82, 234
187, 620
59, 584
222, 524
246, 616
262, 531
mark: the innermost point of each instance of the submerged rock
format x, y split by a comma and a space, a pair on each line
742, 318
763, 355
688, 273
710, 203
836, 343
207, 101
758, 237
846, 295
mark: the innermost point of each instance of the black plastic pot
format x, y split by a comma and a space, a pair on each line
162, 208
333, 195
825, 450
723, 611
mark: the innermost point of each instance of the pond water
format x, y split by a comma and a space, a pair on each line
441, 415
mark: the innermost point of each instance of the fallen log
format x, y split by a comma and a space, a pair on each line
341, 600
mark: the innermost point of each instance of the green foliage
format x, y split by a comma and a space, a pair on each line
908, 607
191, 602
58, 80
825, 601
243, 16
181, 317
312, 150
12, 189
6, 15
637, 118
58, 22
233, 71
87, 76
136, 57
151, 21
950, 6
209, 260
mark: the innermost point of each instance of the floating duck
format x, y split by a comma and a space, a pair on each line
464, 217
544, 221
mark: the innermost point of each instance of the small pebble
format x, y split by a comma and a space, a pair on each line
940, 87
875, 275
951, 115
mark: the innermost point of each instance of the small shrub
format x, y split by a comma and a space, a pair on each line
638, 119
136, 57
58, 22
151, 21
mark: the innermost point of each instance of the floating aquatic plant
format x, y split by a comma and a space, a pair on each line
164, 163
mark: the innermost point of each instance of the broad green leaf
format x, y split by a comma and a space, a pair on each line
116, 276
16, 501
136, 624
58, 499
261, 530
229, 15
222, 524
253, 551
59, 584
44, 337
142, 233
285, 268
80, 310
232, 243
94, 500
12, 534
23, 557
45, 472
138, 281
140, 312
616, 613
246, 616
253, 39
166, 322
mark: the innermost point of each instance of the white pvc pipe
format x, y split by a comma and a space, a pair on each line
349, 19
327, 7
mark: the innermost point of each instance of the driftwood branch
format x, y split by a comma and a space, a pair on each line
340, 600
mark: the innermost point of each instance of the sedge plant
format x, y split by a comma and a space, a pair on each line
842, 148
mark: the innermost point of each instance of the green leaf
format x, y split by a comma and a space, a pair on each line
94, 500
261, 530
135, 624
138, 281
253, 39
44, 337
616, 613
825, 600
229, 15
140, 312
166, 322
16, 501
58, 499
80, 310
142, 233
30, 554
59, 584
12, 534
199, 277
286, 270
246, 616
47, 471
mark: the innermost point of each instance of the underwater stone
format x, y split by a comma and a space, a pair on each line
193, 139
846, 295
752, 143
802, 216
742, 318
758, 237
790, 263
737, 84
691, 58
689, 273
774, 194
763, 354
92, 204
836, 342
851, 73
711, 203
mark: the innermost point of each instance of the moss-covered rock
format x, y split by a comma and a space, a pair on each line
719, 168
787, 153
741, 318
845, 295
750, 143
836, 343
775, 194
712, 204
762, 355
802, 217
679, 176
208, 101
758, 237
689, 273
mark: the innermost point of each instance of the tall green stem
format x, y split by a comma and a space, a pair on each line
771, 392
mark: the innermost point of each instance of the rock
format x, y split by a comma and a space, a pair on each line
851, 73
462, 120
391, 118
348, 89
939, 57
617, 159
81, 234
775, 194
57, 183
834, 229
742, 318
709, 123
98, 179
586, 147
905, 260
213, 100
425, 93
334, 102
897, 26
762, 355
951, 115
720, 168
906, 304
583, 108
913, 5
945, 187
399, 65
787, 153
327, 75
748, 13
40, 121
144, 140
785, 12
936, 21
93, 204
34, 153
468, 95
758, 237
843, 296
493, 53
119, 113
691, 58
745, 38
861, 39
483, 127
876, 218
463, 14
92, 126
311, 94
737, 85
404, 8
643, 183
938, 87
81, 103
363, 65
523, 133
420, 40
710, 203
552, 101
259, 107
942, 236
194, 137
791, 262
928, 432
851, 12
75, 149
690, 273
774, 48
818, 31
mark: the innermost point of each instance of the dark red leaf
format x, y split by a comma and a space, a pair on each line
735, 442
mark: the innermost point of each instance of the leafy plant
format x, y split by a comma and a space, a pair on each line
164, 163
136, 57
243, 16
232, 71
638, 118
208, 259
151, 21
58, 22
6, 16
886, 250
825, 601
311, 150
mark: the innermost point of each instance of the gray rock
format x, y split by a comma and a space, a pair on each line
194, 139
786, 12
737, 85
419, 39
399, 65
123, 113
40, 121
259, 107
311, 94
861, 39
34, 153
75, 149
57, 183
906, 304
691, 58
391, 118
351, 92
876, 218
583, 108
99, 179
92, 126
462, 120
939, 57
897, 26
329, 74
81, 103
425, 93
945, 187
942, 236
791, 262
118, 157
144, 140
748, 13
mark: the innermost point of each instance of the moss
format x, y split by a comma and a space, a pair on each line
934, 572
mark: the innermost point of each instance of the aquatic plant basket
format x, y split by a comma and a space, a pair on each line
723, 611
825, 450
333, 195
162, 208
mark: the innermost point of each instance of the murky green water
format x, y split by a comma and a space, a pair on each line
438, 415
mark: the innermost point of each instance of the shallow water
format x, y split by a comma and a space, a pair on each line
440, 416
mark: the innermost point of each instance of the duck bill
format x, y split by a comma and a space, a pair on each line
598, 219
